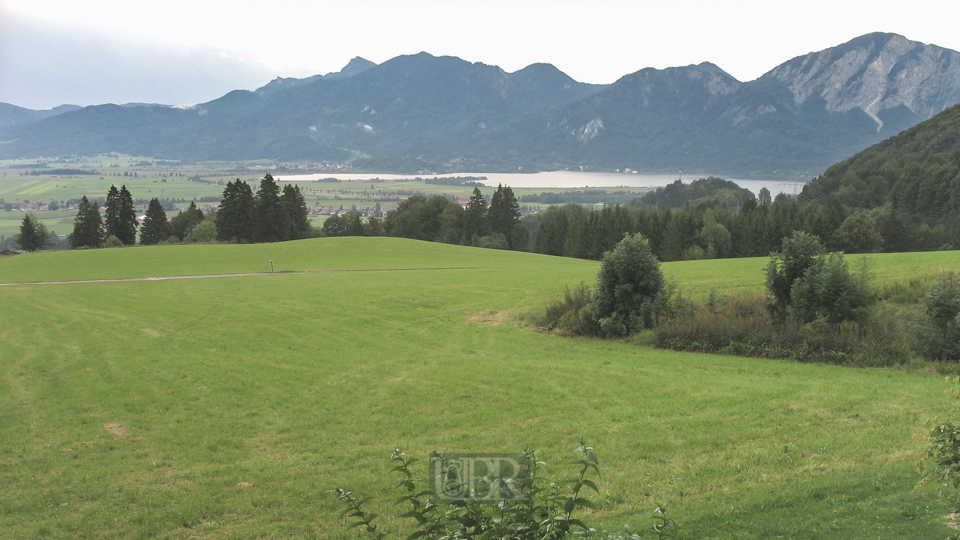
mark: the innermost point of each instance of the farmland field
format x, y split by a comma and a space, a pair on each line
137, 408
182, 183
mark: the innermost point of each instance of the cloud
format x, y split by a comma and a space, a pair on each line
43, 65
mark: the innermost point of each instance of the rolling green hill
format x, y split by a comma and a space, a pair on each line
144, 408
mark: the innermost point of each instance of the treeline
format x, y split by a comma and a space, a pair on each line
438, 219
587, 196
471, 181
702, 231
711, 230
64, 172
269, 215
677, 194
923, 193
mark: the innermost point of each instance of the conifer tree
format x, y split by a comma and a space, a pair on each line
504, 213
271, 215
33, 234
475, 216
155, 228
112, 222
87, 226
298, 216
127, 233
236, 217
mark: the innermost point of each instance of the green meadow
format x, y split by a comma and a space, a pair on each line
226, 407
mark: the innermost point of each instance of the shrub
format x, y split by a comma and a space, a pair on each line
630, 289
494, 241
571, 314
939, 465
205, 231
938, 330
530, 508
829, 292
796, 255
112, 241
743, 326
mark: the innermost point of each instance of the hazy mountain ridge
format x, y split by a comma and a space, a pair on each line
799, 118
11, 115
355, 66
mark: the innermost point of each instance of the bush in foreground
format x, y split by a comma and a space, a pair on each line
495, 505
939, 464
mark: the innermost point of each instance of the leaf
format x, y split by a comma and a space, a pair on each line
592, 485
586, 504
415, 515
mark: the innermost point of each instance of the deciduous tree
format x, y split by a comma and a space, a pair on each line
630, 288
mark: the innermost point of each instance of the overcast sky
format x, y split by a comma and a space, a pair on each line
182, 52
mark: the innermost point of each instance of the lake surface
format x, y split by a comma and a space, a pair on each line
564, 179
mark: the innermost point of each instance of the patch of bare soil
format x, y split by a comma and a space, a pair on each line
496, 317
116, 429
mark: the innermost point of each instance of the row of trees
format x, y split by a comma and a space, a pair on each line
244, 216
438, 219
711, 230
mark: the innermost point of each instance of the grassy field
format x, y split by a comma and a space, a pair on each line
136, 409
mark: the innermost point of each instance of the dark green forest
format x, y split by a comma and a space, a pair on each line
915, 175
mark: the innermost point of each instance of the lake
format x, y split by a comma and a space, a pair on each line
564, 179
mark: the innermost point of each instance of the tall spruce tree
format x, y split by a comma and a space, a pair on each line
87, 226
271, 216
298, 216
112, 222
155, 228
127, 233
475, 217
236, 217
503, 215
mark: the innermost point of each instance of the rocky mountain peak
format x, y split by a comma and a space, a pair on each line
875, 73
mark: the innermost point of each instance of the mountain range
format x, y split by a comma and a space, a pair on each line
450, 114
